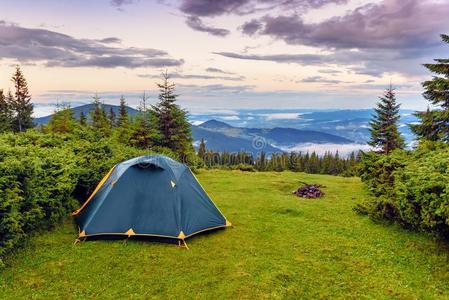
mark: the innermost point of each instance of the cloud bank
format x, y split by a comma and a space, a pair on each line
60, 50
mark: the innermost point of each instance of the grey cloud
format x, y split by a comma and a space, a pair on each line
372, 62
319, 79
194, 76
110, 40
120, 3
57, 49
215, 88
390, 24
195, 9
217, 70
330, 71
251, 27
212, 8
307, 59
195, 23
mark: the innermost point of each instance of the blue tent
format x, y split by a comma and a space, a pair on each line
152, 196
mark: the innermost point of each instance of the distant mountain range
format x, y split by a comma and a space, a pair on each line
221, 136
86, 109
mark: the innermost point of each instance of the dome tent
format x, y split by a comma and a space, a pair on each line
151, 195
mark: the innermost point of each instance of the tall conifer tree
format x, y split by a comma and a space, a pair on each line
384, 129
99, 118
5, 114
112, 117
123, 113
172, 120
434, 124
202, 149
83, 119
20, 103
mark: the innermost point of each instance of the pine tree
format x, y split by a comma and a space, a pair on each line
172, 120
5, 114
384, 129
123, 113
62, 120
434, 125
21, 103
83, 119
144, 133
430, 126
100, 122
202, 149
111, 117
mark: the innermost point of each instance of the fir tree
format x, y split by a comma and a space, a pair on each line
430, 126
144, 133
172, 120
435, 124
384, 129
83, 119
5, 114
123, 113
100, 122
202, 149
20, 104
62, 121
111, 117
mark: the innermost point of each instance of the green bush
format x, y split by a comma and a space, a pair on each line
44, 177
410, 188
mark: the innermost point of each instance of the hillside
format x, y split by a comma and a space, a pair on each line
86, 109
280, 247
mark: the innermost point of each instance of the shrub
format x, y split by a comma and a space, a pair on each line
410, 188
44, 177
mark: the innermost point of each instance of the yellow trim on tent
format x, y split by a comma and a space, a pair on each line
135, 234
207, 229
131, 232
100, 184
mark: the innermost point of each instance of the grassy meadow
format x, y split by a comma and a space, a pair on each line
280, 246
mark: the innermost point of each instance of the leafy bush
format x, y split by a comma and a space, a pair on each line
44, 177
410, 188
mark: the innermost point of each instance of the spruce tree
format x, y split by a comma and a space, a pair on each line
202, 149
434, 125
123, 113
144, 133
62, 121
100, 122
429, 128
20, 103
384, 129
111, 117
83, 119
5, 114
172, 120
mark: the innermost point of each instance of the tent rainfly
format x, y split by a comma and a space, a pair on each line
152, 196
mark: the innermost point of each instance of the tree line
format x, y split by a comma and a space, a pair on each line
329, 163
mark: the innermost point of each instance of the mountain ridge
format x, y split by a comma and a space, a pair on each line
221, 136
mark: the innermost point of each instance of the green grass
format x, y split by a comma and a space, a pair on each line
280, 247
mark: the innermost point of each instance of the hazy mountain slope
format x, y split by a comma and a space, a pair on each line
86, 109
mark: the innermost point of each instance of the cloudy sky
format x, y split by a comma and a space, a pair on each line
224, 54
